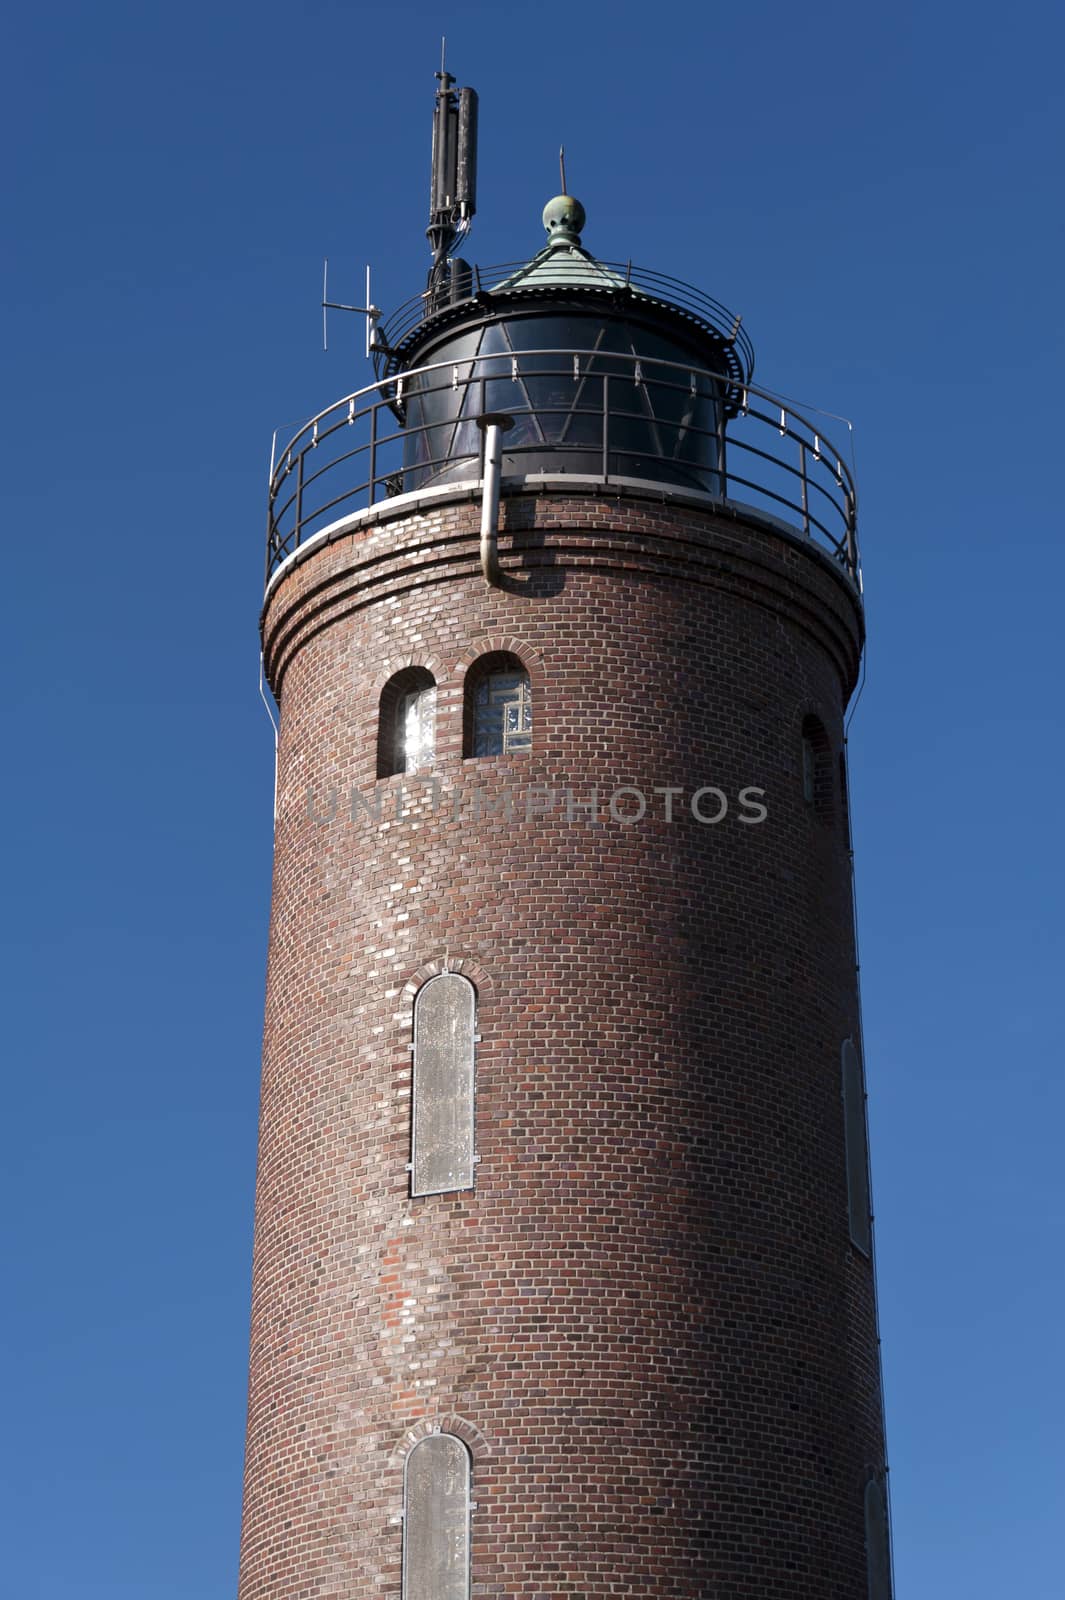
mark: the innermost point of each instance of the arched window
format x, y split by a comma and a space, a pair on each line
498, 713
857, 1148
406, 736
817, 768
436, 1520
877, 1540
442, 1109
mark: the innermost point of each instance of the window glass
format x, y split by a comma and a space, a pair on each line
817, 768
664, 415
416, 730
406, 730
807, 769
435, 436
502, 714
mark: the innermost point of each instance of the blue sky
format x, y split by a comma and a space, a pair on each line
877, 189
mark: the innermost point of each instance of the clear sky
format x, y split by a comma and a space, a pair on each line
878, 190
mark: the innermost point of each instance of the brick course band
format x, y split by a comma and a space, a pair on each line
381, 561
647, 1320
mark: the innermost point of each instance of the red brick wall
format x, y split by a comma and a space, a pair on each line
647, 1322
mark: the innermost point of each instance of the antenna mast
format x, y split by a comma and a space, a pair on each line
453, 189
371, 312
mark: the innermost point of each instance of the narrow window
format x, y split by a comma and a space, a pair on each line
877, 1541
442, 1089
844, 799
498, 707
406, 738
436, 1520
857, 1149
807, 770
817, 768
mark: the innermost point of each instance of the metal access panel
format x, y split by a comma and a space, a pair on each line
436, 1520
442, 1118
854, 1128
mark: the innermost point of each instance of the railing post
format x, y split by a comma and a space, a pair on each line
852, 543
606, 427
482, 447
719, 411
299, 500
373, 451
805, 495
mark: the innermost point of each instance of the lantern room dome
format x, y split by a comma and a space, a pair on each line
563, 263
564, 276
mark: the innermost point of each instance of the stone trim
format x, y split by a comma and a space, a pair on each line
465, 965
447, 1422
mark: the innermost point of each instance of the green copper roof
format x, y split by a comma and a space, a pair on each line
563, 262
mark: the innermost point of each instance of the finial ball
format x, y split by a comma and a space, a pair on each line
564, 215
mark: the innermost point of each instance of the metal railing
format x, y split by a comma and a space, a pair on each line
614, 278
606, 416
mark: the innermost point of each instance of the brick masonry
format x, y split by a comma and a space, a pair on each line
647, 1321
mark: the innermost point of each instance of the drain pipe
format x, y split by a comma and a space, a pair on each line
493, 425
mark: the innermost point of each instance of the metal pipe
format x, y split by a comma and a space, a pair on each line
493, 425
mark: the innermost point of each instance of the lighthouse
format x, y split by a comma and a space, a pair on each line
563, 1271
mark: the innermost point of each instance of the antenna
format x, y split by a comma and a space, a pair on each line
562, 167
371, 312
453, 185
466, 158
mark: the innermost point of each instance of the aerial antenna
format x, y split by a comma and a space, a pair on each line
453, 187
562, 167
371, 312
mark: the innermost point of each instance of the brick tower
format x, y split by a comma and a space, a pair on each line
563, 1279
